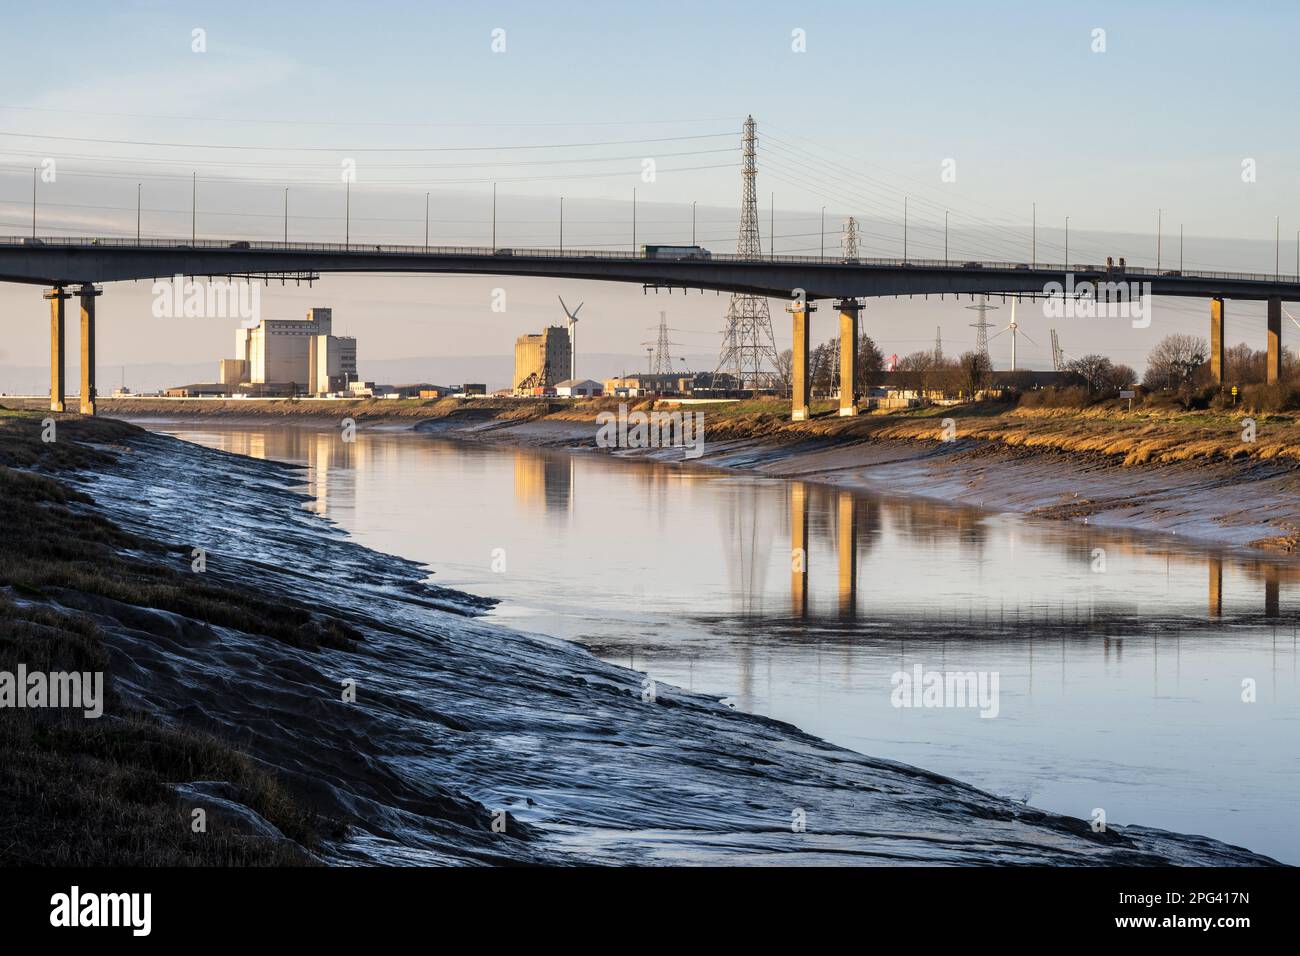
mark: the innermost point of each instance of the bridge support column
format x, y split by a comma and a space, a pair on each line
798, 549
1273, 366
88, 293
848, 356
58, 386
801, 312
1217, 353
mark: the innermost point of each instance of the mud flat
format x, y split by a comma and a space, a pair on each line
459, 724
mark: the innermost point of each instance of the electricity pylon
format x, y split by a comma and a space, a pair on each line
849, 238
748, 348
663, 360
982, 327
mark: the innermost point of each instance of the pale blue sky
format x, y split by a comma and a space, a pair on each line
1011, 92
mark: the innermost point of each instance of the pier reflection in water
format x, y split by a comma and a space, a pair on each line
1122, 659
858, 526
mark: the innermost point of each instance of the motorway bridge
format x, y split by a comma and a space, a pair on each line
80, 266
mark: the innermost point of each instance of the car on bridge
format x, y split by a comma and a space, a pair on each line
675, 252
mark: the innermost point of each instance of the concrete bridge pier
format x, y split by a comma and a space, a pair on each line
1218, 354
58, 386
801, 312
1273, 366
88, 294
849, 309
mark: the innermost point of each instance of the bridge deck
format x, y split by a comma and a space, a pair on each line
69, 260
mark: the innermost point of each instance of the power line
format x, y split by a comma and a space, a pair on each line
354, 149
135, 177
369, 123
333, 169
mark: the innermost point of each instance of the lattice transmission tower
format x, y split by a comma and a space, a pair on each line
982, 327
663, 359
748, 348
849, 238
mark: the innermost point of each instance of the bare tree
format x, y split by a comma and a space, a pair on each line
974, 369
1121, 377
824, 367
1177, 361
915, 371
1097, 371
870, 364
785, 371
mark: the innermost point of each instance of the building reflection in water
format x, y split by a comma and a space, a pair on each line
545, 481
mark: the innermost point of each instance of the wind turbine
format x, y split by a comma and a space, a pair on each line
573, 346
1014, 329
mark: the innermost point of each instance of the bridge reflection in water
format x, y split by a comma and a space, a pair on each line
851, 526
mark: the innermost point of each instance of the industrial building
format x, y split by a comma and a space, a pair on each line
645, 383
302, 353
542, 360
579, 388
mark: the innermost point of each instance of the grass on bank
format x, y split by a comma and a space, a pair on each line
76, 791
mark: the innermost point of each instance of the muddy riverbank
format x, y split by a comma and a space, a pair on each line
425, 734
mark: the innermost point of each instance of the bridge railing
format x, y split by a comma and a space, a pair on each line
1131, 272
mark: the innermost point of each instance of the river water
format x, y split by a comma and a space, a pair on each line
1143, 679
